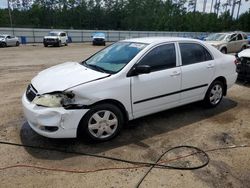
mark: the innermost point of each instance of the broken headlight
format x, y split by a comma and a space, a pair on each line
54, 99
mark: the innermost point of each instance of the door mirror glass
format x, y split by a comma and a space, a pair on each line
141, 69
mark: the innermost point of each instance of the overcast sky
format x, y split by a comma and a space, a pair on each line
244, 7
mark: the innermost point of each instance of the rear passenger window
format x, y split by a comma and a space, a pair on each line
193, 53
161, 57
239, 37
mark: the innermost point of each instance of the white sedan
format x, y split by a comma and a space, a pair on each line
127, 80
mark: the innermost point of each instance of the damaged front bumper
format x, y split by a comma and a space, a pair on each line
52, 122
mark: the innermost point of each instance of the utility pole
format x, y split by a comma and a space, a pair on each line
211, 8
195, 3
239, 4
232, 14
204, 6
9, 13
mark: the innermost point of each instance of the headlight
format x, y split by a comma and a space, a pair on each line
54, 99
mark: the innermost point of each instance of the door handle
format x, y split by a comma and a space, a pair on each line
175, 73
209, 66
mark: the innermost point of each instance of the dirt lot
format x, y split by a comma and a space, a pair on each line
144, 140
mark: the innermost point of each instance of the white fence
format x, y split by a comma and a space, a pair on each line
36, 35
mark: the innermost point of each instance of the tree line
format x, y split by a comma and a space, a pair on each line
150, 15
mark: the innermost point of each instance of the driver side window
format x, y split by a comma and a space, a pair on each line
233, 37
160, 58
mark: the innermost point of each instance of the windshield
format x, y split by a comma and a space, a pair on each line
113, 58
99, 35
217, 37
53, 34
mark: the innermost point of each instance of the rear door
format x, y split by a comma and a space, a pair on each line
239, 42
232, 44
198, 68
157, 90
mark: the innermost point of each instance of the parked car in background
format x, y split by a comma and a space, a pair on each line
8, 40
127, 80
248, 38
56, 38
99, 39
228, 42
243, 65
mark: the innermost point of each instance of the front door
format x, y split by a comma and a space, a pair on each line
157, 90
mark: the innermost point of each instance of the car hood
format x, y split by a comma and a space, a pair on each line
64, 76
98, 37
244, 53
215, 43
51, 37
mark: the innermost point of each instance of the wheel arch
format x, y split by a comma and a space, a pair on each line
224, 81
114, 102
223, 47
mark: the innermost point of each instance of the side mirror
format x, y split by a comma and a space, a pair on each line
140, 69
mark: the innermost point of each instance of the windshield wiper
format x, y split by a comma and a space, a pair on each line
95, 67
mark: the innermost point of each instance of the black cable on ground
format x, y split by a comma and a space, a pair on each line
174, 167
158, 164
117, 159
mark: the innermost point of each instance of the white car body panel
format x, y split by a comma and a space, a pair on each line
244, 53
70, 74
163, 87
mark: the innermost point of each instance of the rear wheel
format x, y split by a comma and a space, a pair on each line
45, 44
102, 122
214, 94
17, 43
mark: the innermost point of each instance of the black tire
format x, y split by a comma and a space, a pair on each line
59, 44
104, 44
83, 128
243, 48
17, 43
224, 50
207, 100
3, 44
45, 44
66, 43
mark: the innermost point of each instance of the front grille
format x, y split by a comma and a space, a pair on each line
31, 93
50, 40
98, 39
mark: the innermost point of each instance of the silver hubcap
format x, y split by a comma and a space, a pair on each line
216, 94
103, 124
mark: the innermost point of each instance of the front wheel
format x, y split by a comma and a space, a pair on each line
17, 43
224, 50
214, 94
103, 122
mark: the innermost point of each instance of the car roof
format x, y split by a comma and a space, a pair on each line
151, 40
57, 32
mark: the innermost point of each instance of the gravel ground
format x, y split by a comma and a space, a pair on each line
144, 139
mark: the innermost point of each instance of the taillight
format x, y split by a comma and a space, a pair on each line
237, 61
